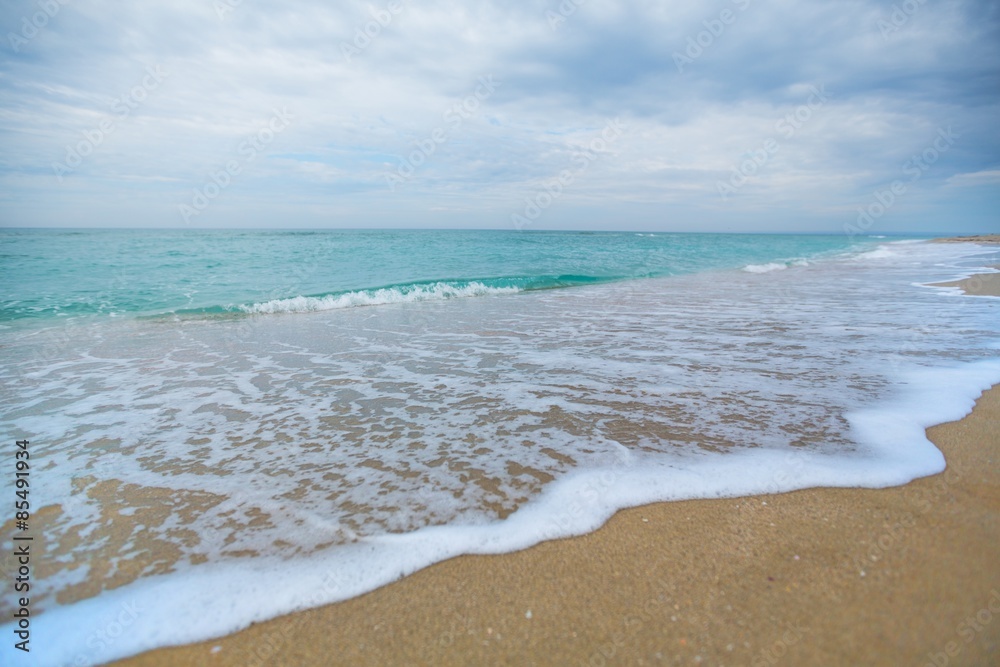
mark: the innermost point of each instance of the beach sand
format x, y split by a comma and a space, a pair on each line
989, 239
905, 575
981, 284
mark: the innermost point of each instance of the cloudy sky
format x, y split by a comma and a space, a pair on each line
731, 115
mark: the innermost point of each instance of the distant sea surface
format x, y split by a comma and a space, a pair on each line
248, 423
72, 274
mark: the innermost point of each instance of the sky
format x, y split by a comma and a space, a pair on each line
854, 116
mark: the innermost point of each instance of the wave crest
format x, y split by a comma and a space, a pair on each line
376, 297
774, 266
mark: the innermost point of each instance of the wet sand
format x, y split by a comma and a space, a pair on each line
981, 284
905, 575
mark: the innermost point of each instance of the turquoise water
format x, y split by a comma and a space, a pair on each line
48, 274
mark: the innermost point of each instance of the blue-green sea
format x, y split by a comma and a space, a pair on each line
64, 274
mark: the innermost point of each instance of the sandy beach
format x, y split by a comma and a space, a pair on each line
989, 239
904, 575
981, 284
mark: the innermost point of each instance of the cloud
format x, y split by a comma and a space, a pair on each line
701, 89
979, 178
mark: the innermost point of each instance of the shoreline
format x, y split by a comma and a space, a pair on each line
811, 577
986, 239
819, 576
981, 284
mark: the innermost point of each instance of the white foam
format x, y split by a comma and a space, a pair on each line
774, 266
158, 611
882, 252
764, 268
430, 292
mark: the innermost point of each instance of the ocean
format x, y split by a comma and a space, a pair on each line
248, 423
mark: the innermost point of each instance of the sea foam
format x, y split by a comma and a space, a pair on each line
215, 600
377, 297
774, 266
